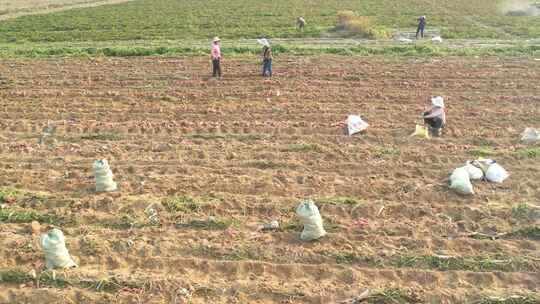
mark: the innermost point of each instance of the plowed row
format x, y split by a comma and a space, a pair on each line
246, 150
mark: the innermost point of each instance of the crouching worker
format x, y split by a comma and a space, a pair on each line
435, 118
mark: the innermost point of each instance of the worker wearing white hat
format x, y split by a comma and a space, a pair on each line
267, 57
435, 118
300, 23
215, 55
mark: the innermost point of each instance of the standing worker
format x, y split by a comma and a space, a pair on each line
421, 26
267, 57
300, 23
215, 55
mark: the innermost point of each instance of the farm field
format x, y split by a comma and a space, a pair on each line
12, 9
216, 159
190, 19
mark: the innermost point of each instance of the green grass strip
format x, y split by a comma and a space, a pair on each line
45, 51
15, 216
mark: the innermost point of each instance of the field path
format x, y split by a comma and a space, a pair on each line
10, 9
351, 42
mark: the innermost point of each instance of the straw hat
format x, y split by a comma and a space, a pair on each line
437, 101
263, 41
216, 39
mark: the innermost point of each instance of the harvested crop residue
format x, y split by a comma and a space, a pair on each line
215, 159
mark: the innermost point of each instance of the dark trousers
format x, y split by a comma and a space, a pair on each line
216, 68
435, 122
420, 30
267, 67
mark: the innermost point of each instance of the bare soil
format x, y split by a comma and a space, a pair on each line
246, 150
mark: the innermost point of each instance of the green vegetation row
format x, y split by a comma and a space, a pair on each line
8, 194
17, 216
531, 152
186, 19
29, 51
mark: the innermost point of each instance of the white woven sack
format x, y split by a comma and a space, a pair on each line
496, 173
530, 136
483, 163
309, 215
493, 171
474, 172
355, 124
460, 181
56, 253
103, 176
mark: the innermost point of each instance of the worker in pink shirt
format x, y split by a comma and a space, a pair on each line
215, 55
